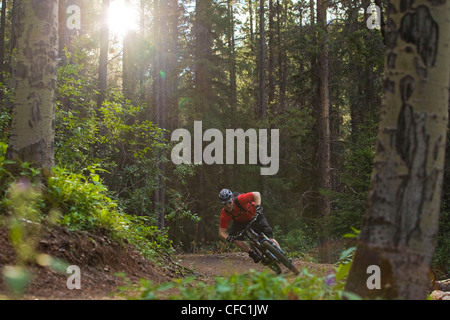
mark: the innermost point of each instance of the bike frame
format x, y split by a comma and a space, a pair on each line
256, 243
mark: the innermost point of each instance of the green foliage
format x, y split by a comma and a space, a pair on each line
116, 137
16, 279
249, 286
152, 242
81, 199
110, 137
84, 204
24, 175
296, 242
22, 214
25, 220
5, 120
441, 263
349, 202
131, 150
253, 285
346, 260
77, 201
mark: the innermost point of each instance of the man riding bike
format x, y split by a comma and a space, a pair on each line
241, 209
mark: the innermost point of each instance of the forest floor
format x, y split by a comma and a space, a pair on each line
227, 264
100, 260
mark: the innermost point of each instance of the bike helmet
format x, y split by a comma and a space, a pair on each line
225, 195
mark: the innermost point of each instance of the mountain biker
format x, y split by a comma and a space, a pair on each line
250, 204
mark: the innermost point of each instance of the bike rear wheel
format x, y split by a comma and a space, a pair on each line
280, 256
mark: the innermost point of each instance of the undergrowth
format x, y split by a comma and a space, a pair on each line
76, 201
248, 286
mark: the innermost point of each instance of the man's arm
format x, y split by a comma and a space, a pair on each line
240, 244
257, 198
223, 234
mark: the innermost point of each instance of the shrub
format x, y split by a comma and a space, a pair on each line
78, 201
249, 286
82, 200
84, 204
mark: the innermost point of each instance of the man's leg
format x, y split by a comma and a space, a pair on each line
242, 245
275, 241
268, 231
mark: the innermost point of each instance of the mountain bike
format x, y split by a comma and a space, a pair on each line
272, 255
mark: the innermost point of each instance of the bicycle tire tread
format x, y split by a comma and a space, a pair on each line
283, 259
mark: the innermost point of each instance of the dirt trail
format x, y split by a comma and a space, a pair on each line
229, 263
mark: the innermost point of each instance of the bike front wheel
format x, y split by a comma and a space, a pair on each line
272, 248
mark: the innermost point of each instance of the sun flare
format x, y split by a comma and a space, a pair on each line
123, 17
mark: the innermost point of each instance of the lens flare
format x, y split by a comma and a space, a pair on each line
123, 17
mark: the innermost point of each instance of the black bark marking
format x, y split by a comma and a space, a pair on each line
405, 5
409, 49
391, 34
419, 28
391, 58
407, 85
422, 72
21, 70
437, 147
391, 9
36, 112
405, 137
412, 145
43, 9
412, 191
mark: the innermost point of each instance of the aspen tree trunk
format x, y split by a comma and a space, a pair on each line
35, 71
401, 222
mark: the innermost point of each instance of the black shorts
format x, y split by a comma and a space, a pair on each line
261, 225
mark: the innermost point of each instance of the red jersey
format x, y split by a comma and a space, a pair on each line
246, 202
